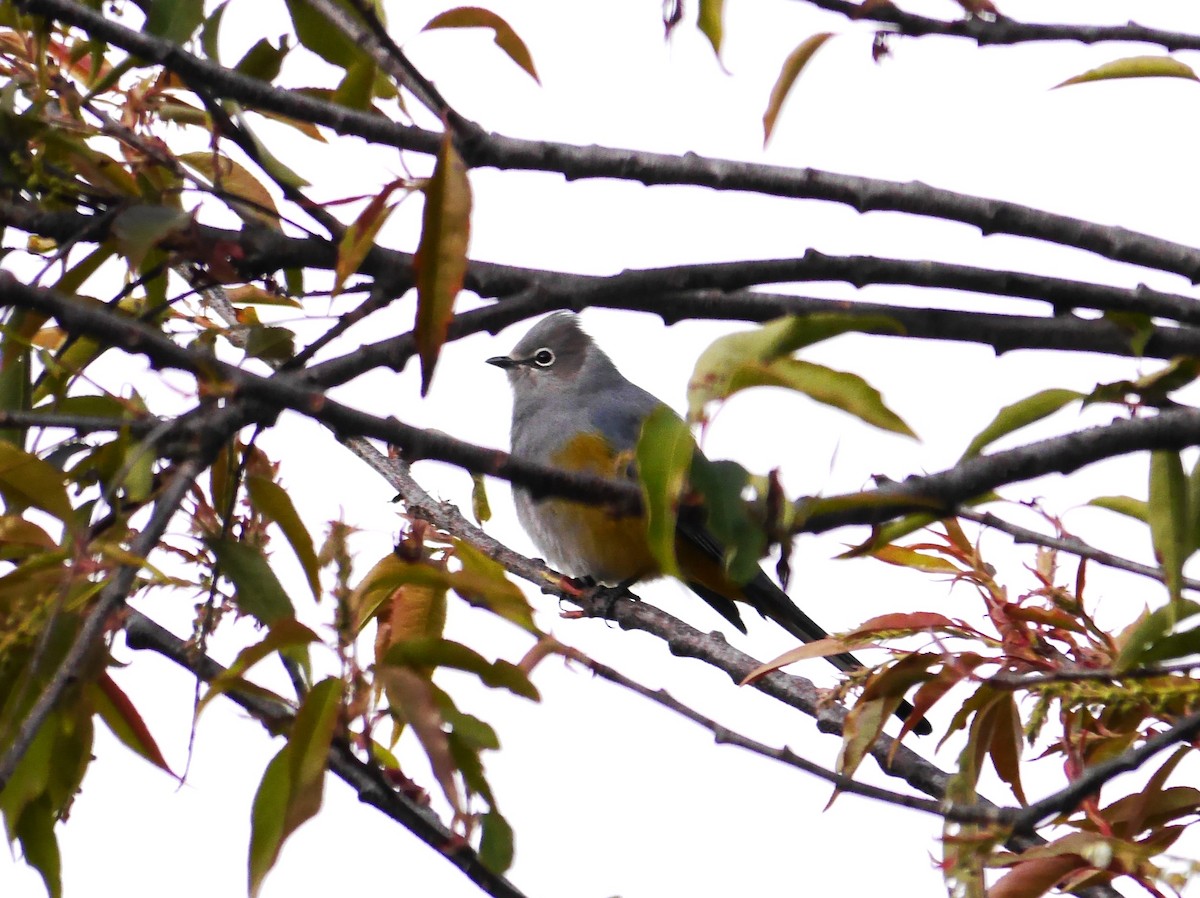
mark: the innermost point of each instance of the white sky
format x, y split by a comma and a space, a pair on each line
608, 795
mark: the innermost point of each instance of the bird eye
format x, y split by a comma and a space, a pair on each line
543, 358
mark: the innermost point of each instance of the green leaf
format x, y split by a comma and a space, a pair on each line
273, 501
496, 844
1134, 67
27, 480
839, 389
35, 832
1142, 644
1021, 414
292, 786
259, 592
481, 509
264, 60
727, 515
138, 229
504, 35
428, 653
664, 456
287, 633
484, 581
441, 260
173, 20
1169, 518
267, 819
316, 33
211, 32
1138, 509
740, 360
792, 66
356, 89
272, 344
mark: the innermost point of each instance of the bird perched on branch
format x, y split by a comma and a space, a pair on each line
573, 409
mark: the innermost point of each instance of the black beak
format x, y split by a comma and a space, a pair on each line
503, 361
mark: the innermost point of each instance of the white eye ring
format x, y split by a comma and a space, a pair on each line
544, 357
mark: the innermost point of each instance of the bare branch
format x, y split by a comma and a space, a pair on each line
1003, 30
498, 151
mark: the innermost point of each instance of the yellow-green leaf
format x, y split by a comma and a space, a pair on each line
259, 592
27, 480
1168, 516
1134, 67
504, 35
792, 66
711, 22
664, 455
441, 259
273, 501
1021, 414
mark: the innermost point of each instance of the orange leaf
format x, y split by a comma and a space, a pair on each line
792, 66
360, 236
504, 35
441, 260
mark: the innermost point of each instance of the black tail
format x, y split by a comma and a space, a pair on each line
769, 600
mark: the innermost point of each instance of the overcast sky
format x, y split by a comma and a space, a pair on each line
607, 794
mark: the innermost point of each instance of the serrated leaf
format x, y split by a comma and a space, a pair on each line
1169, 519
792, 67
273, 501
1021, 414
259, 592
440, 263
505, 37
119, 714
1134, 67
665, 449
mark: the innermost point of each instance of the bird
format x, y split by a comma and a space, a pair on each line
573, 409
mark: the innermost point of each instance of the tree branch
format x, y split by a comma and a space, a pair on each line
508, 153
143, 633
1003, 30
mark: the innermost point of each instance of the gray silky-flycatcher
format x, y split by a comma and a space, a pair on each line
573, 409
